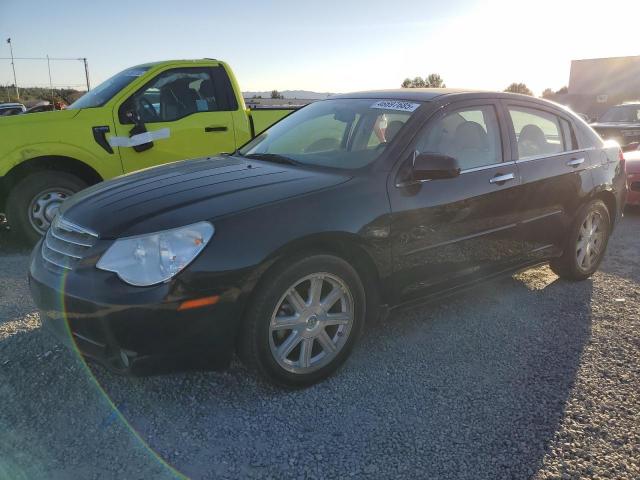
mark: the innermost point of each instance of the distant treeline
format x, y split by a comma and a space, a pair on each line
32, 95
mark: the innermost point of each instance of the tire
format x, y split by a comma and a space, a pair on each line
27, 216
264, 331
578, 262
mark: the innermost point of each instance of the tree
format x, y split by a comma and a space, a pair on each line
418, 82
547, 93
434, 80
563, 90
519, 88
276, 94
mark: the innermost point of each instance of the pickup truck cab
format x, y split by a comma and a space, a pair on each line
144, 116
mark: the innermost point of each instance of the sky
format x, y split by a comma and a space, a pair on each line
324, 46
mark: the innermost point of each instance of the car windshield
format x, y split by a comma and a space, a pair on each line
340, 133
622, 113
107, 89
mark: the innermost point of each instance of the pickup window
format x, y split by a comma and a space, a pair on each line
107, 89
179, 92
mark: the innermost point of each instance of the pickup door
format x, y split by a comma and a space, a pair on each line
188, 108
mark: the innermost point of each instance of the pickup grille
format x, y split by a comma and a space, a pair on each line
65, 244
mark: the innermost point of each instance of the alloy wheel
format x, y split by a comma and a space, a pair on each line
590, 244
311, 323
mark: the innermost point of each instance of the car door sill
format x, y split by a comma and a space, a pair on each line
447, 292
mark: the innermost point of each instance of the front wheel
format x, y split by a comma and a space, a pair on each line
586, 243
304, 320
34, 201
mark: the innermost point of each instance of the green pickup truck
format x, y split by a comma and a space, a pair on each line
143, 116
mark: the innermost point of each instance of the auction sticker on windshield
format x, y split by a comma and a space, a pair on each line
395, 105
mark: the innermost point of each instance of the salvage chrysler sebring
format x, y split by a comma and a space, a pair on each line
282, 250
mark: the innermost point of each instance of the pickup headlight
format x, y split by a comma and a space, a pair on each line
146, 260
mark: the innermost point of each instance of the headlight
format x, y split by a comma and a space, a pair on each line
154, 258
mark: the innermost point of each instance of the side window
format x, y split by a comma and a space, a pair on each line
540, 133
176, 93
471, 135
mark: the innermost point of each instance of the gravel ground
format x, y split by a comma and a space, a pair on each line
524, 377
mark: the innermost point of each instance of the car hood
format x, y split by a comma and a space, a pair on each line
606, 125
186, 192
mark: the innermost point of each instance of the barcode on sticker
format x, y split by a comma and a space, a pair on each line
396, 105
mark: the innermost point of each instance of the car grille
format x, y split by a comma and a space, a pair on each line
65, 244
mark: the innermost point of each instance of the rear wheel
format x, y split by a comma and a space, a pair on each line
303, 321
34, 201
586, 244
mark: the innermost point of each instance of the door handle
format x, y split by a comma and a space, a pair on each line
574, 162
499, 179
215, 128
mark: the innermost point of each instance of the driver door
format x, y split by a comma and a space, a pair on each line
188, 109
449, 231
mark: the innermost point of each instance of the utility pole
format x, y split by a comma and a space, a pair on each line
15, 82
86, 73
53, 100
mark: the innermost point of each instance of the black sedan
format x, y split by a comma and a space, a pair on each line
283, 250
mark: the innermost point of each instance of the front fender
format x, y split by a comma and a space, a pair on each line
20, 155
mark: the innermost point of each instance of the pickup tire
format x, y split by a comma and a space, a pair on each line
33, 201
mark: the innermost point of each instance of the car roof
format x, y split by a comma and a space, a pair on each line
416, 94
428, 94
10, 105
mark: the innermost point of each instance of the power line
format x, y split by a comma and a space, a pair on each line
44, 58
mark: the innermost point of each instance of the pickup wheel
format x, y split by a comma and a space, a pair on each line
586, 244
303, 321
34, 201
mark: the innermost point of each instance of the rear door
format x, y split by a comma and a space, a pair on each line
555, 174
188, 113
448, 231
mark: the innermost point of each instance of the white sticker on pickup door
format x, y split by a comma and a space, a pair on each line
140, 138
396, 105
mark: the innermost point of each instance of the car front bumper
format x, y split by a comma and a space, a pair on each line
144, 333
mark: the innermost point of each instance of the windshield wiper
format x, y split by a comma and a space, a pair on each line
272, 157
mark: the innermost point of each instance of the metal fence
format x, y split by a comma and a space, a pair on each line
42, 76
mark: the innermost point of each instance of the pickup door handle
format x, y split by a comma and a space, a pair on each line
215, 128
499, 179
574, 162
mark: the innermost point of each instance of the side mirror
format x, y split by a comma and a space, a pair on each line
133, 117
434, 166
